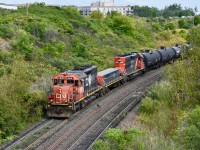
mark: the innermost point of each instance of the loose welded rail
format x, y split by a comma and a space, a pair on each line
28, 133
111, 117
93, 116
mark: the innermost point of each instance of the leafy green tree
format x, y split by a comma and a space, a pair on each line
189, 136
123, 25
122, 140
185, 24
176, 10
115, 13
6, 31
96, 15
194, 35
156, 27
145, 11
170, 26
196, 20
24, 44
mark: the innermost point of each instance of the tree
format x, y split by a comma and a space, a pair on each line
123, 25
185, 24
145, 11
196, 20
170, 26
119, 139
189, 136
175, 10
96, 15
194, 36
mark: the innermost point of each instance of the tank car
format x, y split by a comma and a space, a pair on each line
178, 50
151, 59
167, 54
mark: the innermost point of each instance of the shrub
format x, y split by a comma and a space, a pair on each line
96, 15
23, 43
6, 31
189, 135
119, 139
149, 106
170, 26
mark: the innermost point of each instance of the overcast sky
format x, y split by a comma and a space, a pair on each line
157, 3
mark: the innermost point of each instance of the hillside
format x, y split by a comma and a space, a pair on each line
48, 40
169, 115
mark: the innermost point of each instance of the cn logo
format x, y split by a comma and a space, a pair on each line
61, 95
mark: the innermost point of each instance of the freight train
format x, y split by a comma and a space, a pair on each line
74, 89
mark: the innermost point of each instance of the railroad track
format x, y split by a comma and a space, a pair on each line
26, 134
96, 121
113, 117
60, 124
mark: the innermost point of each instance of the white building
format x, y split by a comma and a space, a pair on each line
5, 6
105, 8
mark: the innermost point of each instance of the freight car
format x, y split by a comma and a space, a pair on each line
74, 89
152, 59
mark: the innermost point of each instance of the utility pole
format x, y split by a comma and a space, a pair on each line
27, 9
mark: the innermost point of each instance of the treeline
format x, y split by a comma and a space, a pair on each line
174, 10
172, 17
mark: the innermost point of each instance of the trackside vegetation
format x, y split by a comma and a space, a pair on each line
50, 39
169, 116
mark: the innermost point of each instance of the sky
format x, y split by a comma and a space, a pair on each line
156, 3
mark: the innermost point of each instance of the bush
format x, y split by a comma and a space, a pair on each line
196, 20
6, 31
119, 139
185, 24
189, 135
183, 33
23, 43
170, 26
149, 106
194, 35
96, 15
156, 26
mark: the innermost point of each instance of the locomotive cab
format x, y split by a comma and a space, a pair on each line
66, 89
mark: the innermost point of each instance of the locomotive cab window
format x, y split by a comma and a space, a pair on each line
55, 82
60, 81
76, 82
70, 81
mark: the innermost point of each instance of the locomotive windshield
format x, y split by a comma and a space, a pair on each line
70, 80
58, 81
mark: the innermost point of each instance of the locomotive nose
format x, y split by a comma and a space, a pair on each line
61, 94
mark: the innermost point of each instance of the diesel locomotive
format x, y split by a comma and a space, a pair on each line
74, 89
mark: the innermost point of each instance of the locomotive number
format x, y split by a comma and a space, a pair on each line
61, 95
